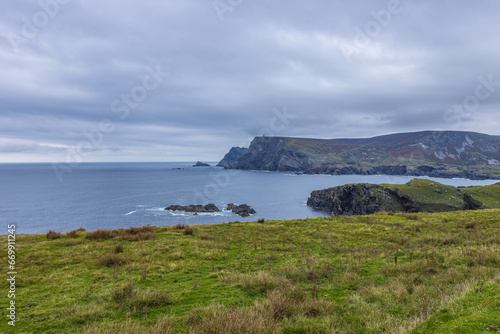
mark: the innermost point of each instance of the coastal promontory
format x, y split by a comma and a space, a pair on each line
443, 154
418, 195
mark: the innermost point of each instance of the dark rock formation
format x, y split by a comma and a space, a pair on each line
446, 154
201, 164
230, 160
441, 172
194, 208
243, 210
364, 199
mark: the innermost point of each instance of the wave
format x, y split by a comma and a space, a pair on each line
131, 212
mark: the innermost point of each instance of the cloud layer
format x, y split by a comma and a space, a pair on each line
91, 76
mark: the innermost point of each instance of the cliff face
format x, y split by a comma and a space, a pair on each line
273, 153
415, 196
230, 160
433, 153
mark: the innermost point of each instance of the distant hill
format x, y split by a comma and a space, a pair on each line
434, 153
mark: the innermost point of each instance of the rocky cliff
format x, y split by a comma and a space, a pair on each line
433, 153
230, 160
415, 196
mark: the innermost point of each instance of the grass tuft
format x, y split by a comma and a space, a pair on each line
255, 284
111, 260
74, 233
163, 325
101, 234
221, 319
53, 235
117, 249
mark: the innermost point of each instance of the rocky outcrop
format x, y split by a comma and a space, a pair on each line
201, 164
445, 154
242, 210
416, 196
230, 160
441, 172
271, 153
194, 208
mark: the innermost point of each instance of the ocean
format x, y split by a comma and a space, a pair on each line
121, 195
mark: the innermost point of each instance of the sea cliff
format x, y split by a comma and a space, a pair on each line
415, 196
446, 154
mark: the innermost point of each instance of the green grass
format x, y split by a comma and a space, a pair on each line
429, 192
478, 311
325, 275
488, 195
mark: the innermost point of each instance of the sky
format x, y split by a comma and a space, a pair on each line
164, 80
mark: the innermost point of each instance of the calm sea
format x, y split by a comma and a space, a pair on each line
120, 195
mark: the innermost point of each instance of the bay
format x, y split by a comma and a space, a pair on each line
120, 195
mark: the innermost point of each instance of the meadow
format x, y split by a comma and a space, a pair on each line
383, 273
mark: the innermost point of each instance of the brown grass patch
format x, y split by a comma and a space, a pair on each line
255, 284
101, 234
74, 233
220, 319
53, 235
162, 326
111, 260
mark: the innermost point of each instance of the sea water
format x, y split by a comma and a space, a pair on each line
120, 195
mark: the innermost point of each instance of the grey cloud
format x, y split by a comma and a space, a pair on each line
226, 77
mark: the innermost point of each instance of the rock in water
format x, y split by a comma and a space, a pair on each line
194, 208
201, 164
242, 210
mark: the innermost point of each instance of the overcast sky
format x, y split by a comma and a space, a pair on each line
165, 80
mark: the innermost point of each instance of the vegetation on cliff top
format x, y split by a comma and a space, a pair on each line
326, 275
417, 195
433, 153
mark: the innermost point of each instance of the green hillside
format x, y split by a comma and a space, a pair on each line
326, 275
489, 196
446, 154
417, 195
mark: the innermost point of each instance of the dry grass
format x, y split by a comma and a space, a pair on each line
130, 298
188, 230
53, 235
101, 235
179, 226
74, 233
111, 260
215, 319
411, 216
130, 234
117, 249
255, 284
162, 326
137, 236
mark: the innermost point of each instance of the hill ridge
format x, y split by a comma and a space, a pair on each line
435, 153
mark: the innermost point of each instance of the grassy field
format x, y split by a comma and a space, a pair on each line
325, 275
430, 193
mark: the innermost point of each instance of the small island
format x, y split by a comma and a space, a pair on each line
242, 210
201, 164
210, 207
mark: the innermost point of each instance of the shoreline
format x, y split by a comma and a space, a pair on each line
270, 220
